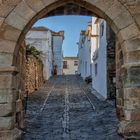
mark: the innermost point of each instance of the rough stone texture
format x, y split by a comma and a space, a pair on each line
10, 33
131, 45
10, 2
16, 20
7, 96
7, 123
119, 82
130, 128
6, 81
65, 108
24, 80
1, 20
128, 101
19, 79
134, 8
21, 65
19, 105
103, 4
127, 20
131, 76
24, 11
132, 93
7, 109
111, 63
48, 2
5, 59
34, 74
129, 32
115, 9
133, 56
14, 134
17, 14
35, 5
5, 9
7, 46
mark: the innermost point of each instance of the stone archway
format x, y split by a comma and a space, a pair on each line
16, 18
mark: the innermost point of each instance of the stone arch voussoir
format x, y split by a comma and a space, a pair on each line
16, 18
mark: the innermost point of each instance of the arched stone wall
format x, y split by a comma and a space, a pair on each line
16, 18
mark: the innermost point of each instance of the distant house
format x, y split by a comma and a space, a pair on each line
70, 65
50, 44
57, 41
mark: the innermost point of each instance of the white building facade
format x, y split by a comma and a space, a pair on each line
84, 53
96, 57
57, 51
99, 73
104, 64
70, 65
43, 40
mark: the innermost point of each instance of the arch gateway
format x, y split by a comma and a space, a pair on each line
17, 17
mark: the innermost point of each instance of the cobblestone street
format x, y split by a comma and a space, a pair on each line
65, 109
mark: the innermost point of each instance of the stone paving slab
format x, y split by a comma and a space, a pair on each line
62, 110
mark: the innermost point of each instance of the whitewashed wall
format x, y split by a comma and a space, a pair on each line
84, 56
94, 38
71, 68
99, 81
41, 40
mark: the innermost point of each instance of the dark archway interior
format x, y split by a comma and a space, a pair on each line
70, 9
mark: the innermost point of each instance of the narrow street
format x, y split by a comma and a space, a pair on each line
65, 109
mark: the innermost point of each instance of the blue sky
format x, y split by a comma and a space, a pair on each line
72, 25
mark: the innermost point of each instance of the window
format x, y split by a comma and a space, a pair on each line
75, 63
85, 67
90, 69
102, 29
65, 66
96, 69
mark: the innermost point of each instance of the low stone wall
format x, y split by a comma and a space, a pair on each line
29, 78
34, 74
